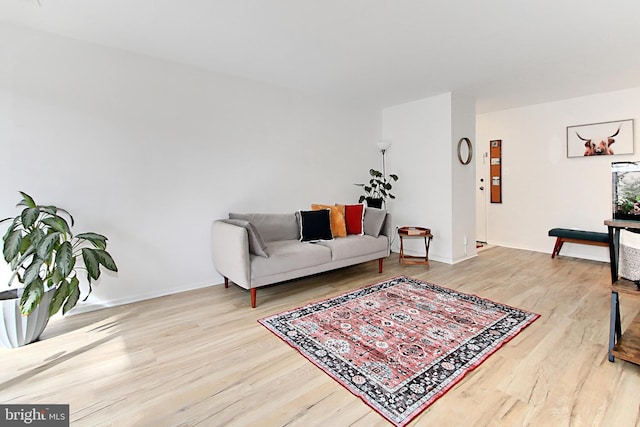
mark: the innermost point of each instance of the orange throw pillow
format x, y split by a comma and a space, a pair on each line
338, 224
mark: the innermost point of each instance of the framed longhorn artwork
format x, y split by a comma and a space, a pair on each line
600, 139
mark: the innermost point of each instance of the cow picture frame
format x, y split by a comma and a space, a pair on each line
600, 139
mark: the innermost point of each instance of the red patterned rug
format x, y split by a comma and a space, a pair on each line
401, 344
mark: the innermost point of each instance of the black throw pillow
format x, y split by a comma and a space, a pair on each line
315, 225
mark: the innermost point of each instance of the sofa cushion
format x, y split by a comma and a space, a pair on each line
354, 217
355, 246
272, 227
315, 225
257, 246
338, 226
373, 221
289, 255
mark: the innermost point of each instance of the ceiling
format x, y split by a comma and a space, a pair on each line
505, 53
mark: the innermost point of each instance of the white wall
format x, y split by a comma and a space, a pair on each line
463, 211
420, 132
542, 188
150, 152
432, 183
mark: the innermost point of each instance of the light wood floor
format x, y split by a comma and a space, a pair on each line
201, 358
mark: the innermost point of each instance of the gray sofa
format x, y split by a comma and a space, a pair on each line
254, 250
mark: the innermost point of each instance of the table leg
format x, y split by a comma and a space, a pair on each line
614, 243
426, 250
427, 244
615, 326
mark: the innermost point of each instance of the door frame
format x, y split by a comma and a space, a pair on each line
482, 196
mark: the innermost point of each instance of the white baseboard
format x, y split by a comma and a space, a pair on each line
566, 251
93, 306
433, 257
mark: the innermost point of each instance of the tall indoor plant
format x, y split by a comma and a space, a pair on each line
378, 189
46, 258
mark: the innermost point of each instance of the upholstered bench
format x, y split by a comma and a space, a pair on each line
567, 235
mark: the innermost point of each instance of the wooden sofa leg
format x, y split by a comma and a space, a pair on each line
253, 297
226, 282
380, 265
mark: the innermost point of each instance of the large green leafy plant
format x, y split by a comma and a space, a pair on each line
44, 255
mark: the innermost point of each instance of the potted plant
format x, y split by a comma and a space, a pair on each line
46, 258
378, 189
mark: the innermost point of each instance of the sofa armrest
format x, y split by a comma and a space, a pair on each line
231, 258
387, 227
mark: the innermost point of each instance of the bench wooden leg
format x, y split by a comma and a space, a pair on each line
557, 247
253, 297
380, 265
562, 240
226, 282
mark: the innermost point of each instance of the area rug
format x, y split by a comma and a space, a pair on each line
399, 345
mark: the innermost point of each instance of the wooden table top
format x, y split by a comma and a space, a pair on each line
414, 231
622, 223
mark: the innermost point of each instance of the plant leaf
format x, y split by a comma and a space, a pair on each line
25, 244
13, 226
74, 295
61, 293
35, 237
47, 245
73, 263
105, 259
88, 293
31, 297
97, 240
58, 224
12, 244
27, 200
68, 214
53, 210
393, 176
20, 261
33, 271
55, 278
64, 258
91, 262
29, 216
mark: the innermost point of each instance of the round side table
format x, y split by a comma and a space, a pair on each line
415, 233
